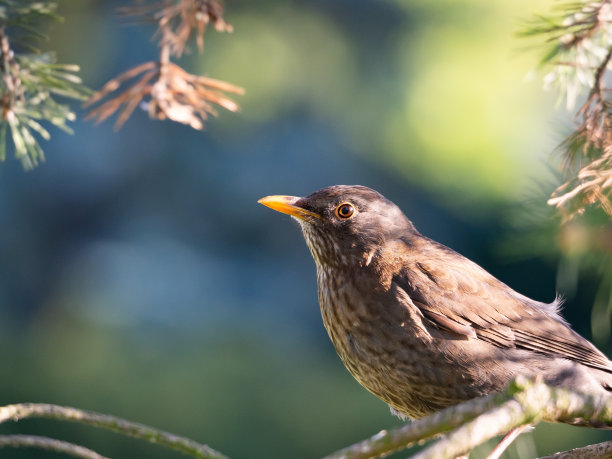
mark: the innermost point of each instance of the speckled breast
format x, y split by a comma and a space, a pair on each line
376, 347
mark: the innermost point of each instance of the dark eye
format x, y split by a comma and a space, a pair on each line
345, 210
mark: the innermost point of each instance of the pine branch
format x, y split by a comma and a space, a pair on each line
29, 83
42, 410
578, 39
171, 92
178, 21
163, 88
478, 420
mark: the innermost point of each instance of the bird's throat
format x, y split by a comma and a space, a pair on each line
325, 251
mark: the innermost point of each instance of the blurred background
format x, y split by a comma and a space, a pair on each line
139, 277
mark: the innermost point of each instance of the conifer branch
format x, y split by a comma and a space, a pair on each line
29, 83
184, 445
163, 88
578, 39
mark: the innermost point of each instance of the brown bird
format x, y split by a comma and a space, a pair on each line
419, 325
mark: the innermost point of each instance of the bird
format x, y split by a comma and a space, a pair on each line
419, 325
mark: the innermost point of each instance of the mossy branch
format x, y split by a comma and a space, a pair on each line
478, 420
184, 445
49, 444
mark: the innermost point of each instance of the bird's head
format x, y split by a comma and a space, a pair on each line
344, 224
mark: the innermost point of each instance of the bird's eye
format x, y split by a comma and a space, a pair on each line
345, 211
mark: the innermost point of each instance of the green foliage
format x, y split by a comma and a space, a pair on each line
31, 83
577, 38
26, 14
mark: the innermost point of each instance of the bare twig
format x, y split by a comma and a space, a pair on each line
180, 19
597, 451
50, 444
12, 90
21, 411
507, 440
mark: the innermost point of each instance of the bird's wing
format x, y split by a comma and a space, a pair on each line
460, 297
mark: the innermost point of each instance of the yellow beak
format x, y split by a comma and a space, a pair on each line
286, 205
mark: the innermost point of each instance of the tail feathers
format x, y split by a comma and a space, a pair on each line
603, 377
603, 380
594, 382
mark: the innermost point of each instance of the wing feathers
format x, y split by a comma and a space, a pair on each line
460, 297
448, 323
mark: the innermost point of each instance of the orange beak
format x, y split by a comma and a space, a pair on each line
286, 205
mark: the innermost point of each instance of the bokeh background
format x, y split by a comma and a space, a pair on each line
138, 276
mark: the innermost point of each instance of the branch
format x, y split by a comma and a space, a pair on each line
387, 441
580, 56
478, 420
597, 451
492, 423
43, 410
165, 90
49, 444
30, 83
